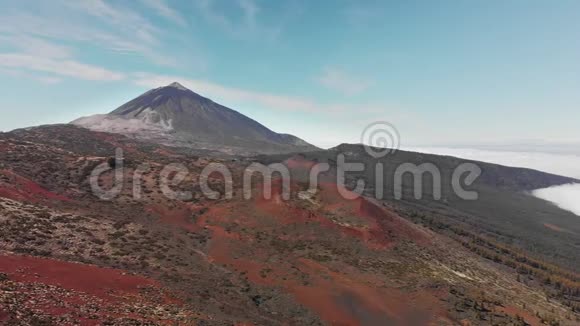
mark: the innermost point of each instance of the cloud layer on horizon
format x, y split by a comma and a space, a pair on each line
565, 196
560, 164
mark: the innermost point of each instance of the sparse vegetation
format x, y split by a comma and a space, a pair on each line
256, 260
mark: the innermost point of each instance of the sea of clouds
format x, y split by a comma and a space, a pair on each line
566, 196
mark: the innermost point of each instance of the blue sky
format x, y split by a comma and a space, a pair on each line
443, 72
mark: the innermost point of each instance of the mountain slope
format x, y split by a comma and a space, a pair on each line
174, 115
505, 211
315, 259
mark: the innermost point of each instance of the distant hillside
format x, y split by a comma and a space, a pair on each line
505, 210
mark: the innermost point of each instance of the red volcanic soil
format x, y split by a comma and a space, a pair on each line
22, 188
388, 222
339, 298
105, 283
72, 294
348, 297
529, 318
361, 302
4, 146
377, 226
338, 293
180, 215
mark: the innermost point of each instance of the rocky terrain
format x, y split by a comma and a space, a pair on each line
70, 258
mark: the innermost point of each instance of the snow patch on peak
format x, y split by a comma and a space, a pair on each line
122, 125
152, 118
178, 86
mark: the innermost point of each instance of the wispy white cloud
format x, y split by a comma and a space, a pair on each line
338, 80
94, 22
61, 67
243, 24
124, 19
34, 58
250, 9
363, 15
34, 76
58, 28
31, 45
164, 10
